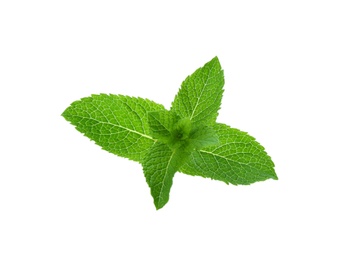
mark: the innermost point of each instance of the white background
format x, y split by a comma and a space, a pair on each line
62, 197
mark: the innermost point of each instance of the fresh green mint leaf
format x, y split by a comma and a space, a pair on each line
186, 138
200, 95
119, 124
161, 124
237, 159
159, 167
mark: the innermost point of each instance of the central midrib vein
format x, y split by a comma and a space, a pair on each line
128, 129
202, 91
165, 175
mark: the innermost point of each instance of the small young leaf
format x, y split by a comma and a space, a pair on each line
166, 127
238, 159
161, 123
119, 124
180, 133
200, 94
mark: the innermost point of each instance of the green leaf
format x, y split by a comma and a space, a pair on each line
200, 94
159, 167
161, 124
119, 124
238, 159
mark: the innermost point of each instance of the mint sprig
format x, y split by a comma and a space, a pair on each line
184, 139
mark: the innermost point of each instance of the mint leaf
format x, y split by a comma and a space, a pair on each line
238, 159
159, 167
119, 124
200, 94
161, 124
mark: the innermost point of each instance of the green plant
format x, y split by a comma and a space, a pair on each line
185, 138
